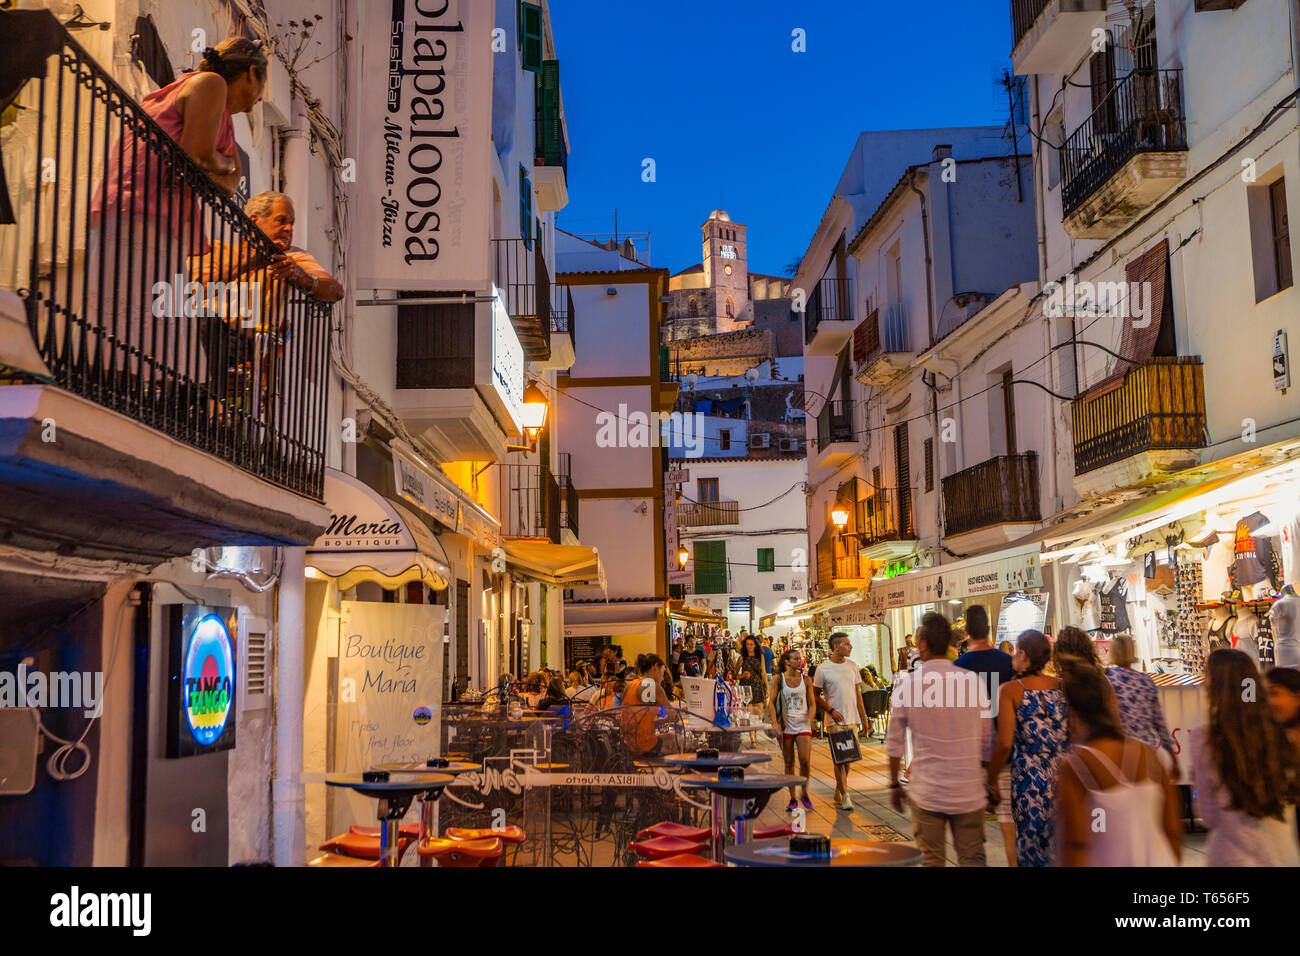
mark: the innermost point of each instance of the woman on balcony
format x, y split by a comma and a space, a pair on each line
145, 225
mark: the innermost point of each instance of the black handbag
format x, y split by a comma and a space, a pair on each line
844, 745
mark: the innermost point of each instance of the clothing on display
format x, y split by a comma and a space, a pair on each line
1285, 618
1290, 550
1218, 563
1114, 608
1245, 634
1084, 599
1219, 632
1252, 556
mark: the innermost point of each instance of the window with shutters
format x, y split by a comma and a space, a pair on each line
1270, 235
1281, 234
724, 439
1101, 80
530, 36
903, 469
710, 567
525, 208
708, 489
766, 559
929, 464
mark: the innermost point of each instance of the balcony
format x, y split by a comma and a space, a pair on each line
519, 270
532, 502
1152, 423
1000, 495
705, 514
563, 337
551, 168
882, 345
1049, 35
568, 501
836, 442
838, 564
154, 399
1126, 155
884, 518
828, 316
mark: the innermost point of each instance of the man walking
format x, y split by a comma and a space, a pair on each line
836, 688
946, 710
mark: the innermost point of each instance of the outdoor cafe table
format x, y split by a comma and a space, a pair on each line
429, 804
394, 793
843, 853
730, 734
723, 759
758, 787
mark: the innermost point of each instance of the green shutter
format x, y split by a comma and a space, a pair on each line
548, 127
530, 28
525, 208
766, 559
710, 567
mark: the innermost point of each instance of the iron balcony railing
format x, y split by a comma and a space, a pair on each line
1023, 15
520, 272
880, 333
562, 311
884, 515
707, 513
1159, 406
829, 301
834, 424
1001, 490
148, 290
1143, 113
568, 494
532, 508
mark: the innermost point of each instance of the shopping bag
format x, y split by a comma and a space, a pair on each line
844, 745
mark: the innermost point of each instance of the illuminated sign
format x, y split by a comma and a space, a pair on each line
507, 361
201, 680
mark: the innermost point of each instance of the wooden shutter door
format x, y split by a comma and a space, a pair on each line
903, 469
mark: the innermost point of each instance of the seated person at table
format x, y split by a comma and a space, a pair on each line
554, 697
609, 694
644, 704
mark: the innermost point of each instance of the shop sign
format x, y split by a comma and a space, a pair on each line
478, 529
507, 361
360, 519
678, 477
1281, 362
419, 488
894, 568
425, 134
1019, 613
201, 704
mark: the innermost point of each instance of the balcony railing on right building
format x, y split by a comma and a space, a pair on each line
1002, 490
532, 506
829, 301
520, 272
1159, 407
1125, 155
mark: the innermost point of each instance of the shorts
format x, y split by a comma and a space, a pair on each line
802, 733
1004, 794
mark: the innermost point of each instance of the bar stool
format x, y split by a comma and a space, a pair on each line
768, 833
463, 852
682, 859
406, 829
679, 830
512, 835
364, 846
339, 860
660, 848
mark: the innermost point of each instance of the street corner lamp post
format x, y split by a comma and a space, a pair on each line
683, 556
840, 518
534, 417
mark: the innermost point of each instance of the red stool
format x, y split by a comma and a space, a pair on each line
679, 830
681, 859
364, 847
336, 860
768, 833
512, 834
411, 830
463, 852
660, 848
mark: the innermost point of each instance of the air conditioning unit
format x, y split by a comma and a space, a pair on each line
789, 444
761, 440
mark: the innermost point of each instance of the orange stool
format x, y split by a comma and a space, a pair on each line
682, 859
463, 852
768, 833
660, 848
339, 860
364, 847
679, 830
411, 830
511, 834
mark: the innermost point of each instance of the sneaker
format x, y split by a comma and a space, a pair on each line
846, 805
789, 807
807, 804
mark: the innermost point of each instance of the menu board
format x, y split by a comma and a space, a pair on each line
1021, 612
587, 647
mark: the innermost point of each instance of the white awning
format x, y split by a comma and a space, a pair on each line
817, 605
563, 565
370, 538
1011, 569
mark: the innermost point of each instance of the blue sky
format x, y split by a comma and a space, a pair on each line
712, 92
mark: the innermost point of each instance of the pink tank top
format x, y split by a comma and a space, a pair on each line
124, 194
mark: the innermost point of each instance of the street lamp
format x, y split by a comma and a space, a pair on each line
533, 418
683, 556
840, 518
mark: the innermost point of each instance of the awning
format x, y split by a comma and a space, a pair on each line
564, 565
680, 611
825, 603
640, 618
370, 538
1010, 569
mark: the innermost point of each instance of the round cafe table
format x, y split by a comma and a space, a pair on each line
394, 793
753, 788
843, 853
429, 801
723, 759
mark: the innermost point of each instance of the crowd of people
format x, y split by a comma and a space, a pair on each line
1077, 759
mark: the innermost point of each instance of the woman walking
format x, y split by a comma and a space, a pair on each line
1139, 706
1038, 731
791, 710
1111, 777
753, 669
1244, 771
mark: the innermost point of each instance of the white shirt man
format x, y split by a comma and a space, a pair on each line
946, 710
836, 687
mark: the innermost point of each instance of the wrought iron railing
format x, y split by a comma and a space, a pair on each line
1143, 113
520, 272
1023, 15
884, 515
705, 513
829, 301
1160, 406
834, 424
532, 506
1000, 490
562, 311
882, 332
568, 494
148, 290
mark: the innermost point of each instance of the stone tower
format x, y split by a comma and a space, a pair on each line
725, 273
